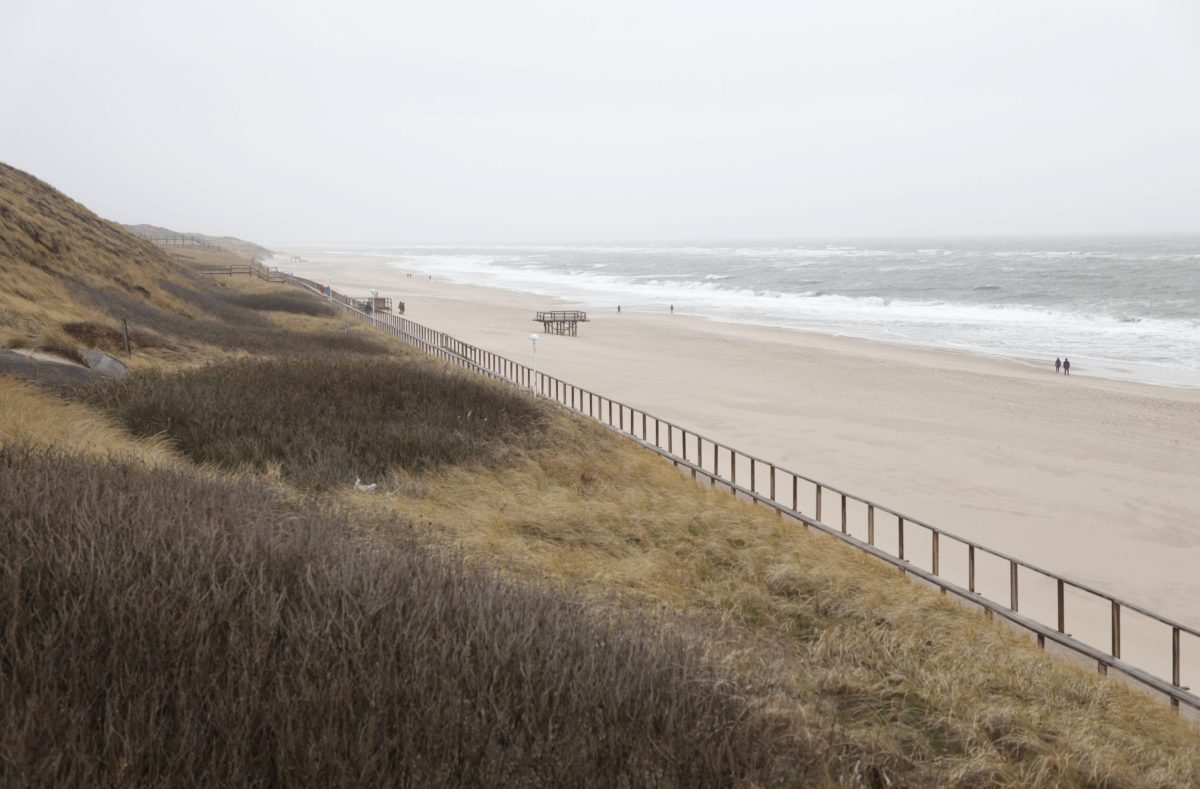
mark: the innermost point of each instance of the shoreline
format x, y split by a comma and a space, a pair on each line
1084, 475
1128, 364
422, 281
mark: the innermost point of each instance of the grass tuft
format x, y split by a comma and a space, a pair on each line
34, 417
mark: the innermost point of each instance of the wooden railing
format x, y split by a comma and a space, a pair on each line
562, 315
178, 240
253, 269
917, 549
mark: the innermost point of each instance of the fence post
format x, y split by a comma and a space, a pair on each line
1116, 629
818, 501
1175, 663
935, 557
1012, 584
844, 514
870, 524
1062, 608
900, 534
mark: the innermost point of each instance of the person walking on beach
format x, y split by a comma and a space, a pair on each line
672, 309
1057, 365
618, 309
1066, 366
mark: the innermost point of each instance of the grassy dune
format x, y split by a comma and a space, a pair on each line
70, 278
52, 249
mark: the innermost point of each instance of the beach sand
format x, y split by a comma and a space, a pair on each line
1091, 478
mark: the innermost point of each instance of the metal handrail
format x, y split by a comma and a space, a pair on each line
568, 395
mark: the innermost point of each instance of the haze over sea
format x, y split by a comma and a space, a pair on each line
1118, 307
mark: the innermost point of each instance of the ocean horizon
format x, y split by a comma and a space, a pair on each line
1119, 307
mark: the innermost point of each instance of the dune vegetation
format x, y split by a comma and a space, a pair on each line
260, 641
320, 422
196, 592
71, 278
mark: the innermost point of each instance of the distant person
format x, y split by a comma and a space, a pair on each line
1058, 365
618, 309
1066, 366
672, 309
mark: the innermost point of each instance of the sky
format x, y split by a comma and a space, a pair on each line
301, 122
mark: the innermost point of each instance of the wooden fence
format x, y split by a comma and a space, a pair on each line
957, 566
253, 269
179, 240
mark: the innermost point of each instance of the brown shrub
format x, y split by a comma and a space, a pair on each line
227, 326
324, 421
298, 302
109, 338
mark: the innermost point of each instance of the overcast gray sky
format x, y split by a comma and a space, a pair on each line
300, 121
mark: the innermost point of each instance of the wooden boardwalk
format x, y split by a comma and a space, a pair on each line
561, 321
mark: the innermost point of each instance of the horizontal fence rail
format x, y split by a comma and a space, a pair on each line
178, 240
955, 565
252, 268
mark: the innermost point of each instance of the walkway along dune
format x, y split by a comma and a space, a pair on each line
1107, 625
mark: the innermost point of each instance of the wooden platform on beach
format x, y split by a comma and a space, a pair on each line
561, 321
373, 304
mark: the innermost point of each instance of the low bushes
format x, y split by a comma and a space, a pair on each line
163, 628
298, 302
228, 326
324, 421
109, 338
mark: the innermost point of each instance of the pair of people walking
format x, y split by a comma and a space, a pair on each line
1063, 365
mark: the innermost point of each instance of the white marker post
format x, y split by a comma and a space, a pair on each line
533, 340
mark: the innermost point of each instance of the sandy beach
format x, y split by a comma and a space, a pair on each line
1091, 478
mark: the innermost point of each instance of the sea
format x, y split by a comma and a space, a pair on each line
1125, 308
